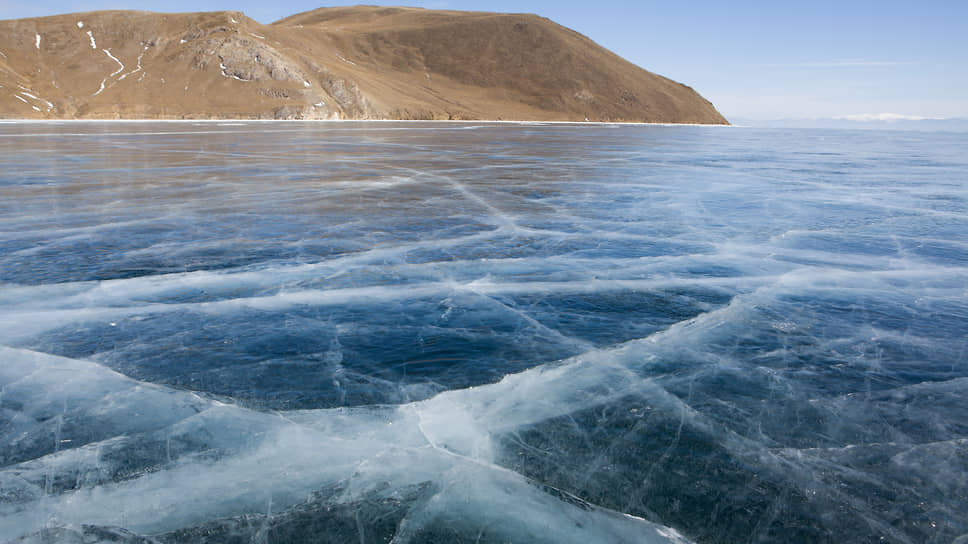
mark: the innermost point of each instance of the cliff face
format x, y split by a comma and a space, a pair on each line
332, 63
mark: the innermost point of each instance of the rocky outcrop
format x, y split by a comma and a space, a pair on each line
334, 63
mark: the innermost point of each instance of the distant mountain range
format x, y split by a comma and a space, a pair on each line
334, 63
860, 122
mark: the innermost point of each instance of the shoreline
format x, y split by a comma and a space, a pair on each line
338, 121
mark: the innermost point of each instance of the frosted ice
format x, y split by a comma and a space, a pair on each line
418, 332
285, 458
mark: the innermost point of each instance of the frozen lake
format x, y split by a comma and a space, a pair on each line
459, 332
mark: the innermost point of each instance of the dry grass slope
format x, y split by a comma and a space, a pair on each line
332, 63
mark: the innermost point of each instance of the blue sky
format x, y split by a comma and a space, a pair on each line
753, 59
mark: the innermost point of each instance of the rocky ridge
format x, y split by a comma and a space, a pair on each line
332, 63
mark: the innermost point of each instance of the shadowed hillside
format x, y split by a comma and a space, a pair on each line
332, 63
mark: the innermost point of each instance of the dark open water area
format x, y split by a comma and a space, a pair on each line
459, 332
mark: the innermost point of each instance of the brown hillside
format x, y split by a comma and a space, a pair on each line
347, 63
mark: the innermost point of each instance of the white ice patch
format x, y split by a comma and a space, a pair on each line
99, 91
233, 20
221, 65
257, 36
99, 415
32, 96
22, 99
93, 43
138, 67
115, 59
37, 43
80, 24
340, 57
307, 84
35, 108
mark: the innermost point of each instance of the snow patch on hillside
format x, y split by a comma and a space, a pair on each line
137, 68
115, 59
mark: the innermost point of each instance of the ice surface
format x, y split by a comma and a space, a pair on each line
473, 332
195, 460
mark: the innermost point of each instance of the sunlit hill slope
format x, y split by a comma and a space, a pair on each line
332, 63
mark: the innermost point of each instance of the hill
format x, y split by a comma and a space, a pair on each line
332, 63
